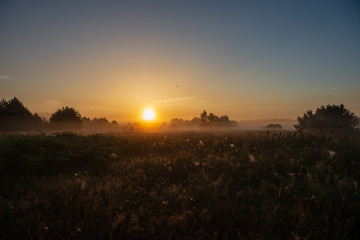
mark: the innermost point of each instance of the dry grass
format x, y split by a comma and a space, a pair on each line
180, 186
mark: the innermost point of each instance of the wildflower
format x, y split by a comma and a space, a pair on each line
252, 158
331, 154
112, 155
83, 185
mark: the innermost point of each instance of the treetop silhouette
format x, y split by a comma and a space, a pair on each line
15, 116
332, 118
214, 120
66, 114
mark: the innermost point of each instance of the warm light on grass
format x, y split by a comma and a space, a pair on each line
148, 114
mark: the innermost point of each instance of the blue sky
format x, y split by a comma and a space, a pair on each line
247, 59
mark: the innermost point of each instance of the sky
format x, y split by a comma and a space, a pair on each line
246, 59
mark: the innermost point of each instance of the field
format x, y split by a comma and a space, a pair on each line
190, 185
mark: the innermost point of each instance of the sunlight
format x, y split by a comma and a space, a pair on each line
148, 114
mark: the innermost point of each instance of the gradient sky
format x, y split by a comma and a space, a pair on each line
247, 59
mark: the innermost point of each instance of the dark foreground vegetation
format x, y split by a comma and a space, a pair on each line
180, 186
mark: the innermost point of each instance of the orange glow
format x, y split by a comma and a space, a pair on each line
148, 114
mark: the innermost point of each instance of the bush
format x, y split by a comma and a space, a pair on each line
66, 117
15, 116
332, 118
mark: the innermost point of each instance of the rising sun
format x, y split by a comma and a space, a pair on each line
148, 114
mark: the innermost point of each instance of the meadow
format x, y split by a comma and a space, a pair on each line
185, 185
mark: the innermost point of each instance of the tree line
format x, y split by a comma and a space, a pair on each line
213, 120
14, 116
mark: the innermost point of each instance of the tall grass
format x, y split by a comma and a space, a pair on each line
180, 186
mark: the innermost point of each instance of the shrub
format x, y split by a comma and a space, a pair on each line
66, 117
15, 116
332, 118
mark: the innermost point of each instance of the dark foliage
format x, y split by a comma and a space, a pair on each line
15, 116
332, 118
100, 120
179, 122
274, 126
85, 120
180, 186
66, 114
66, 117
214, 120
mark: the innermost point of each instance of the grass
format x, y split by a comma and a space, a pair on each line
281, 185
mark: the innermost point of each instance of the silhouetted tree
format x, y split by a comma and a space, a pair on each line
179, 122
85, 120
214, 120
335, 118
15, 116
14, 108
100, 120
66, 117
65, 114
224, 118
204, 117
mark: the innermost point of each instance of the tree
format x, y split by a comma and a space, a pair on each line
14, 108
204, 117
66, 117
332, 118
15, 116
214, 120
85, 120
224, 118
100, 120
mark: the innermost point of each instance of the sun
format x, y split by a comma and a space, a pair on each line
148, 114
